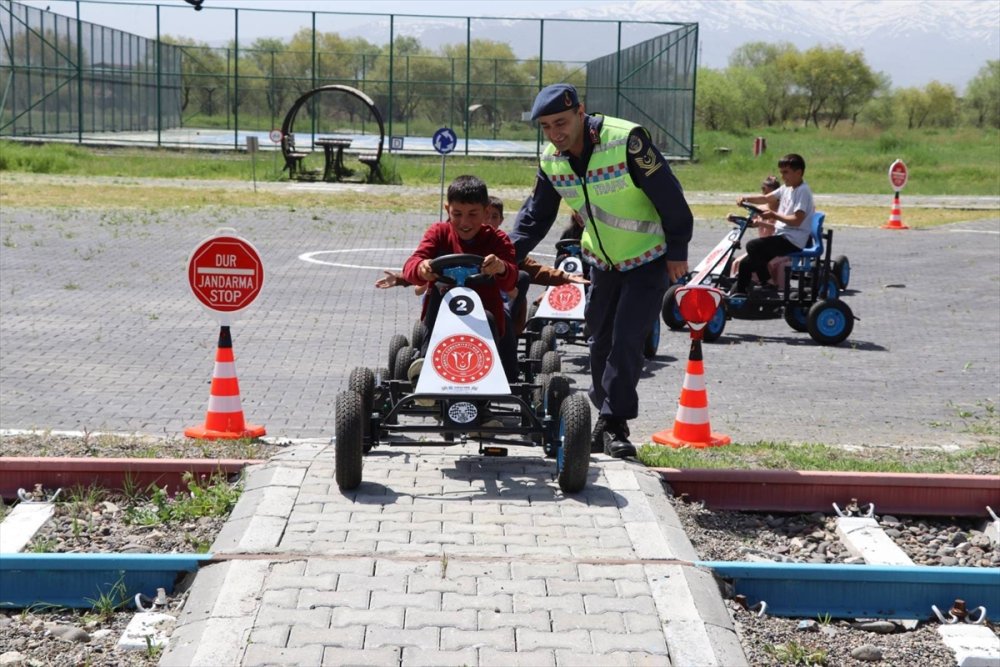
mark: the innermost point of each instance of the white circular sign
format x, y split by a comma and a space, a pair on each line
275, 136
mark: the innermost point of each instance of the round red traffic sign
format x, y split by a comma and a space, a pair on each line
898, 175
225, 273
275, 136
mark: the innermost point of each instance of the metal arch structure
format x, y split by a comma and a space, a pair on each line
288, 123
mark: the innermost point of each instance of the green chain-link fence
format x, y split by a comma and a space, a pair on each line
64, 74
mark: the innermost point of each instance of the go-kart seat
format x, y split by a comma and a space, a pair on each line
803, 259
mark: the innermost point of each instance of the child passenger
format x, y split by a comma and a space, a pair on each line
465, 232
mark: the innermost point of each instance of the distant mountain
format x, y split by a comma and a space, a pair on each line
913, 41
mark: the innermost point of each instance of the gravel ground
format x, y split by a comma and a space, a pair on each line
63, 637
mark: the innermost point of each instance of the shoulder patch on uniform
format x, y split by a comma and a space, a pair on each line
648, 163
634, 144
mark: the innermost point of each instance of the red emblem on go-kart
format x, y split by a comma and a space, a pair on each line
564, 297
462, 359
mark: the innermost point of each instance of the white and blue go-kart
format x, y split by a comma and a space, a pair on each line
559, 316
462, 393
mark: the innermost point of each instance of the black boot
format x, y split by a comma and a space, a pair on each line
616, 442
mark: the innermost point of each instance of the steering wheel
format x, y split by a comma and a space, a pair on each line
460, 268
754, 211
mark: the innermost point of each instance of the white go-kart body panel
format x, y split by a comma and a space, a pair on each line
711, 264
564, 302
462, 357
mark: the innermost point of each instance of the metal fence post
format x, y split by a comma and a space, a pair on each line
236, 79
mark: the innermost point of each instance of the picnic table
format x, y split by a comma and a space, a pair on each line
333, 157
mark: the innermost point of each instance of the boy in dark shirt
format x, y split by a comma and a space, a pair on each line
465, 232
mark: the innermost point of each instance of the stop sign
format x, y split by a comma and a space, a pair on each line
225, 273
898, 175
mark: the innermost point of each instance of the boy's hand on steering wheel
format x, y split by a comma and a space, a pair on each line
425, 272
493, 265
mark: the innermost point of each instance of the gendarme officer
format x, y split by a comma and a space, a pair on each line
636, 234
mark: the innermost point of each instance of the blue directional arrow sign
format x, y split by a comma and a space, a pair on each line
445, 140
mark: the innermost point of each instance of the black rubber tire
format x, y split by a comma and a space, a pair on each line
830, 321
556, 391
538, 398
575, 421
548, 337
404, 358
348, 445
551, 363
668, 311
536, 353
418, 334
713, 330
797, 317
396, 343
842, 271
532, 311
362, 381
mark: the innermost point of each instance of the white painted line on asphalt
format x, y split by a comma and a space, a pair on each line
311, 257
973, 231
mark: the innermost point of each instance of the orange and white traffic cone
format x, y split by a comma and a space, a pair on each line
895, 217
224, 419
691, 427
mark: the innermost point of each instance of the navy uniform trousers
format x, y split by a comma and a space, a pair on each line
621, 310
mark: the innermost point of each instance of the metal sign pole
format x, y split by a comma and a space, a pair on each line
441, 209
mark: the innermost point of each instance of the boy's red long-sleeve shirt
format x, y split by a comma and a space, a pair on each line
441, 239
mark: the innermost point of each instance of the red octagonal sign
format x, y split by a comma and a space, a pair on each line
225, 273
898, 174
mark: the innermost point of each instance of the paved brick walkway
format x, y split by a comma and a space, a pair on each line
443, 557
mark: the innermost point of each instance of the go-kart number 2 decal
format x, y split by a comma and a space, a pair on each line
564, 298
461, 305
462, 359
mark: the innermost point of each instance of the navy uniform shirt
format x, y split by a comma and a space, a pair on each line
649, 172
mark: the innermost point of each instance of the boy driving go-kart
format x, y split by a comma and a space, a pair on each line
457, 380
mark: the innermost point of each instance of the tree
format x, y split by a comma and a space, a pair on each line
750, 93
982, 96
913, 105
852, 83
942, 104
717, 101
773, 65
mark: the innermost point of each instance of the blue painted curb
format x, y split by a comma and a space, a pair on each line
77, 580
804, 590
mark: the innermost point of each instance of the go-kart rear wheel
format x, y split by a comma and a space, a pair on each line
797, 317
548, 337
652, 343
830, 321
536, 352
842, 271
716, 325
532, 311
830, 289
574, 455
538, 396
551, 362
555, 390
349, 434
404, 358
418, 334
670, 311
362, 382
396, 343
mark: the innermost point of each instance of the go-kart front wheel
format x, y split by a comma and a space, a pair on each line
670, 311
842, 271
396, 343
362, 382
404, 358
574, 455
830, 321
349, 440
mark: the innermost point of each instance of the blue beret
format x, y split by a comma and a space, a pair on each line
554, 99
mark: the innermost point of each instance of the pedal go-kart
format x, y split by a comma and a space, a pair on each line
559, 316
462, 393
809, 300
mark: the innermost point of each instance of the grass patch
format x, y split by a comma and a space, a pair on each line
787, 456
152, 198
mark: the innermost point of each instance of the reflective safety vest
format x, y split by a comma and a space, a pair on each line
623, 229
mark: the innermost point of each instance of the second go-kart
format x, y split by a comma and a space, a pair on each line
559, 316
809, 300
461, 393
